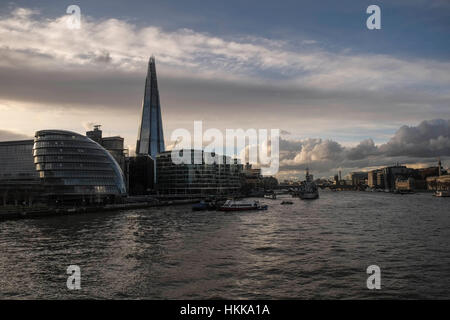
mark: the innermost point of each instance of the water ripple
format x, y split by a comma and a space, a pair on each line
309, 250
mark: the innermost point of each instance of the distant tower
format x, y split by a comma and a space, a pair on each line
440, 167
150, 136
95, 134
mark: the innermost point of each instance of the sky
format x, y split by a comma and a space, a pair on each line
345, 97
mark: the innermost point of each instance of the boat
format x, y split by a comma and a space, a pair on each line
443, 194
233, 205
308, 189
286, 202
272, 196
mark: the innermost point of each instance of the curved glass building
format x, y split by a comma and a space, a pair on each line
71, 165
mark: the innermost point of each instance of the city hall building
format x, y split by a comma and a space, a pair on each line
58, 167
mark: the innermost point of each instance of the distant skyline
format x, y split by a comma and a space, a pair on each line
339, 92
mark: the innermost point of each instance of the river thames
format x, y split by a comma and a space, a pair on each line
317, 249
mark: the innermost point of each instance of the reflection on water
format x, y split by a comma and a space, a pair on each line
312, 249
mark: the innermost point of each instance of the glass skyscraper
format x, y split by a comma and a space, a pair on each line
150, 136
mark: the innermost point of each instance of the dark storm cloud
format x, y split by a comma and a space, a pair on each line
428, 139
283, 100
88, 87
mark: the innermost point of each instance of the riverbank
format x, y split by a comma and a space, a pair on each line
11, 213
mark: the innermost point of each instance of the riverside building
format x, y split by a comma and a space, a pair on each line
19, 180
197, 180
58, 167
73, 167
114, 145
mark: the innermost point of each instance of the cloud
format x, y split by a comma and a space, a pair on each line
318, 150
6, 135
363, 150
94, 57
81, 88
422, 143
428, 139
87, 125
103, 65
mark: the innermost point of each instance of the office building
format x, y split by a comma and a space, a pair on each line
441, 182
141, 175
150, 136
372, 178
390, 174
19, 180
380, 179
358, 178
405, 184
196, 180
114, 145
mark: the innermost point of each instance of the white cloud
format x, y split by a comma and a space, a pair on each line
128, 47
422, 143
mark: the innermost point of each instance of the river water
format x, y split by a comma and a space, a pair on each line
308, 250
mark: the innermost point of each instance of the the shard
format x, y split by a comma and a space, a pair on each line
150, 136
